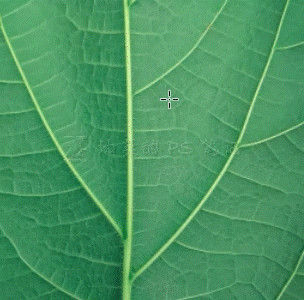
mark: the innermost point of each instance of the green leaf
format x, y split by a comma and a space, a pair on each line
105, 193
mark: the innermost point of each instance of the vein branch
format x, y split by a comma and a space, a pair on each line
292, 275
49, 130
230, 158
33, 270
291, 46
186, 55
273, 136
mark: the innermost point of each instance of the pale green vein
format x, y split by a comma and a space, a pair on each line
45, 151
126, 285
188, 220
264, 74
257, 182
230, 158
32, 30
187, 54
291, 276
33, 270
92, 30
237, 254
209, 292
18, 9
273, 136
59, 193
291, 46
45, 294
11, 81
17, 112
48, 128
131, 2
86, 258
253, 221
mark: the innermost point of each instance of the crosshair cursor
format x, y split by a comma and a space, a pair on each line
169, 99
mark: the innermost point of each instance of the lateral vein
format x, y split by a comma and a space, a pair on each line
291, 276
33, 270
291, 46
273, 136
48, 128
230, 158
187, 54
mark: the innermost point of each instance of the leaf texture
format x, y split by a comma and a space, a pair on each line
105, 193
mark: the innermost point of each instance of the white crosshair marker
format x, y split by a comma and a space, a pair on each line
169, 99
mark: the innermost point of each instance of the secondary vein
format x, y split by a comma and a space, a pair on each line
230, 158
54, 139
187, 54
273, 136
36, 272
292, 275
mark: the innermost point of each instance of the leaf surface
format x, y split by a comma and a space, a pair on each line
105, 193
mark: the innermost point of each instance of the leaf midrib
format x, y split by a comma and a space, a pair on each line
128, 234
129, 103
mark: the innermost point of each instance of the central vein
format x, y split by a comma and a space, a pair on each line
129, 217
